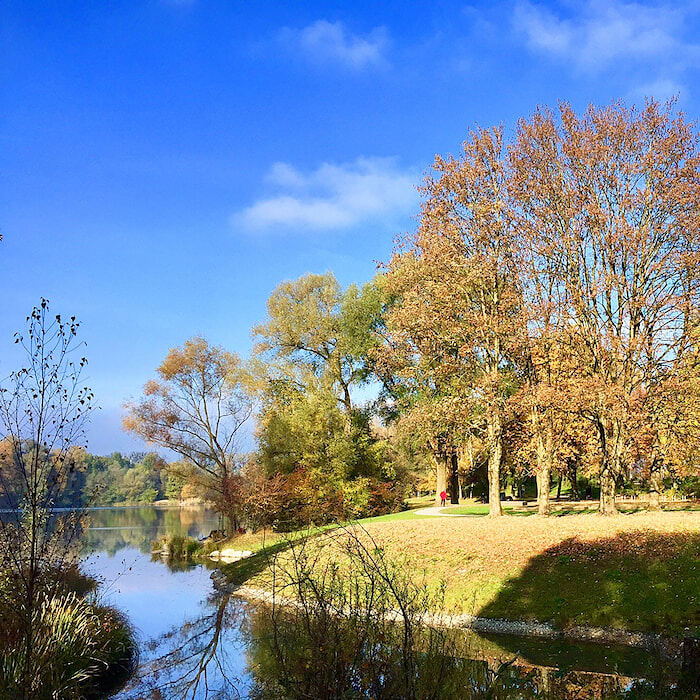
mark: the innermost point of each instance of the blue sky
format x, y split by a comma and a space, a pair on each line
164, 164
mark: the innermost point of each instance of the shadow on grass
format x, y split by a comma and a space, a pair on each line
638, 580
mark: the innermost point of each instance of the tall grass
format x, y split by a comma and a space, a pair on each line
178, 547
81, 650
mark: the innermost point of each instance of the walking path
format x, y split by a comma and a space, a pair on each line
437, 510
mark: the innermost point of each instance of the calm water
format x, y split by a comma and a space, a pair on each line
195, 643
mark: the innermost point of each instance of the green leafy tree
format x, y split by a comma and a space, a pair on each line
318, 334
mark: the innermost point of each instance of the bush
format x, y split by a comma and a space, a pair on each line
386, 497
303, 498
178, 547
79, 650
311, 499
360, 629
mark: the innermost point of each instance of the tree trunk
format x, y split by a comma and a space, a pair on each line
655, 485
454, 479
607, 492
543, 486
441, 477
572, 473
347, 404
606, 505
495, 442
544, 467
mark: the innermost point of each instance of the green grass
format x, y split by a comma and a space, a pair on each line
240, 571
639, 573
482, 509
402, 515
557, 509
266, 544
473, 509
263, 539
422, 502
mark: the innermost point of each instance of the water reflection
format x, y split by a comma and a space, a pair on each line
200, 645
238, 650
112, 529
203, 658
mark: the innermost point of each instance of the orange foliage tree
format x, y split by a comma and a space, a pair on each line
552, 290
610, 201
460, 301
196, 407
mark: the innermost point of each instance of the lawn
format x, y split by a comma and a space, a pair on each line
483, 509
265, 543
636, 571
560, 508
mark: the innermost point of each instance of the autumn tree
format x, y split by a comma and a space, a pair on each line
611, 201
460, 310
196, 407
312, 354
665, 423
415, 395
418, 395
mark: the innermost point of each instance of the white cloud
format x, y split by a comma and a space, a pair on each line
602, 32
333, 196
325, 41
662, 89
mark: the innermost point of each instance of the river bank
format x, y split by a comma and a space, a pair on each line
671, 647
632, 577
171, 605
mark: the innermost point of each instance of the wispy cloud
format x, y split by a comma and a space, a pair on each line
598, 34
333, 196
662, 89
325, 42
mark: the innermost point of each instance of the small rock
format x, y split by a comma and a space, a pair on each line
230, 555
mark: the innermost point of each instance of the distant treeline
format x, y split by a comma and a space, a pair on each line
141, 477
87, 479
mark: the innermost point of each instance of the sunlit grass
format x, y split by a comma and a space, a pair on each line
512, 567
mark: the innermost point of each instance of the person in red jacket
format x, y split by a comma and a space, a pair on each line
443, 497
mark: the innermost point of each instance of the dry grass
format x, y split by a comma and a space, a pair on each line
638, 571
487, 550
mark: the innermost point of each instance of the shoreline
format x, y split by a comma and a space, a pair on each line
670, 646
163, 505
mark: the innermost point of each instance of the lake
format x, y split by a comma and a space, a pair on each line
196, 643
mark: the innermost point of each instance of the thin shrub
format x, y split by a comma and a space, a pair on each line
347, 621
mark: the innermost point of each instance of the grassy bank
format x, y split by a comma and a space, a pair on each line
635, 571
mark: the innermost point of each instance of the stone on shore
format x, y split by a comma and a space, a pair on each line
230, 555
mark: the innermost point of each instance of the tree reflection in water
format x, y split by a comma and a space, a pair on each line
284, 655
359, 632
196, 660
